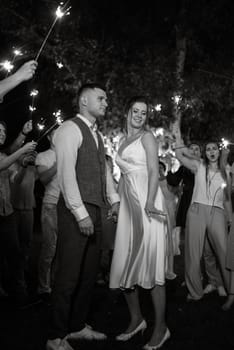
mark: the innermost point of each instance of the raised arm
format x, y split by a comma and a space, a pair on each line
183, 154
27, 128
12, 158
25, 72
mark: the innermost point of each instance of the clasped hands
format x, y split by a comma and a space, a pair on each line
86, 225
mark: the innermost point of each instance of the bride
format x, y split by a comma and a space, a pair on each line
139, 258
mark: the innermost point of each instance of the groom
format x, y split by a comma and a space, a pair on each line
86, 184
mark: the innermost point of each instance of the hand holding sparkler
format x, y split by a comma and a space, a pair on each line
28, 147
25, 72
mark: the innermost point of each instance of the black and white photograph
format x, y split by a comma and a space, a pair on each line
116, 175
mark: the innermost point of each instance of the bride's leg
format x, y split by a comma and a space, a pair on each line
159, 301
132, 299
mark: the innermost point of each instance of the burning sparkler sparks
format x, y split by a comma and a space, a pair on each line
59, 65
159, 132
34, 93
224, 143
7, 65
17, 52
41, 125
158, 107
58, 122
177, 99
32, 108
58, 117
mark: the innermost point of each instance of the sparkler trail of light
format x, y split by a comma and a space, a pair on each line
59, 13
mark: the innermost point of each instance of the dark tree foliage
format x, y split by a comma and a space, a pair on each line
131, 49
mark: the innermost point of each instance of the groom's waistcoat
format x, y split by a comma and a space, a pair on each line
90, 167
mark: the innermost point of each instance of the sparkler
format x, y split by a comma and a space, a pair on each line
17, 52
58, 117
177, 99
40, 126
59, 13
225, 143
7, 65
32, 108
58, 122
158, 107
59, 65
159, 132
34, 93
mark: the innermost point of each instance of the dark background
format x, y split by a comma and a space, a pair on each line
131, 48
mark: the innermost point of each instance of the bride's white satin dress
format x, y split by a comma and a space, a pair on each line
139, 256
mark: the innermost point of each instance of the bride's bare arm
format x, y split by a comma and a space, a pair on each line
151, 149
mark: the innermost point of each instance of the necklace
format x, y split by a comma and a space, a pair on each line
210, 178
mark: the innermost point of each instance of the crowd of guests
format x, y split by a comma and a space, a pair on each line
132, 226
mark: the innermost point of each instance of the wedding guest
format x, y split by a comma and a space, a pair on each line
47, 170
23, 201
9, 245
206, 215
171, 205
184, 178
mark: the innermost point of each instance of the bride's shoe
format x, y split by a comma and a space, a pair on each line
126, 336
164, 339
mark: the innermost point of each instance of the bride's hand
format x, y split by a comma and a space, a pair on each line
151, 211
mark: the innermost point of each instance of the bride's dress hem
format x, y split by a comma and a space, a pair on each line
134, 285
